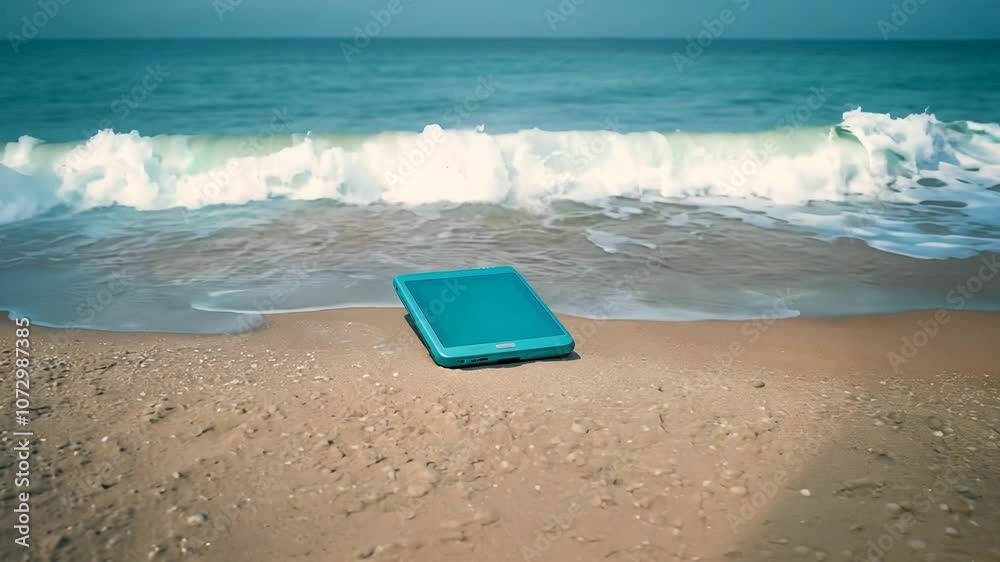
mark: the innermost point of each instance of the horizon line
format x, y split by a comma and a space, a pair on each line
508, 37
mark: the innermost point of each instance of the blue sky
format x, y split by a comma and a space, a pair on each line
858, 19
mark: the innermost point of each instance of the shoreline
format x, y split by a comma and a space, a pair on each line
332, 436
878, 330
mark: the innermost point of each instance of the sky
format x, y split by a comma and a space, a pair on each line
758, 19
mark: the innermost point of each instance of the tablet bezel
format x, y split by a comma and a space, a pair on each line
461, 356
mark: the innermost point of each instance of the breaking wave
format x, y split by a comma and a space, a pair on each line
873, 163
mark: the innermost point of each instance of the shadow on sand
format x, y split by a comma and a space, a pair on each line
573, 356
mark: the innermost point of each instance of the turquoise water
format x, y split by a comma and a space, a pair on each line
192, 185
61, 91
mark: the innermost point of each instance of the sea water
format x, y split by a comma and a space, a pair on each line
193, 185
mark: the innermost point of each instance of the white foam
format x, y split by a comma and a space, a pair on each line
774, 174
613, 243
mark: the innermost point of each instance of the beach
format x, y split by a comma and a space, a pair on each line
779, 261
331, 435
700, 194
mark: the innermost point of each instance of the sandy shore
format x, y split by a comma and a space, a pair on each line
332, 436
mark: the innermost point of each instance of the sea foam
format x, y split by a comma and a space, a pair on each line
868, 160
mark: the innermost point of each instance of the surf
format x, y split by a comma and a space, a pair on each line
870, 165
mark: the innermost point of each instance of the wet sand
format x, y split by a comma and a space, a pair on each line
332, 436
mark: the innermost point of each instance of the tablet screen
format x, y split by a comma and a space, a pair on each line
482, 309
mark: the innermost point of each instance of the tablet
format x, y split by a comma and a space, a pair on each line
480, 316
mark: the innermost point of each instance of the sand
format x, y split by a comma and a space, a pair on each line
332, 436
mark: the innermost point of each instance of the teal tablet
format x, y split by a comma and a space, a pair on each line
480, 316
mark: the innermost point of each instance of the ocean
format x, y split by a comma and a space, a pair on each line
193, 185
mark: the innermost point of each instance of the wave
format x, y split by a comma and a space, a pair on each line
612, 243
866, 158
